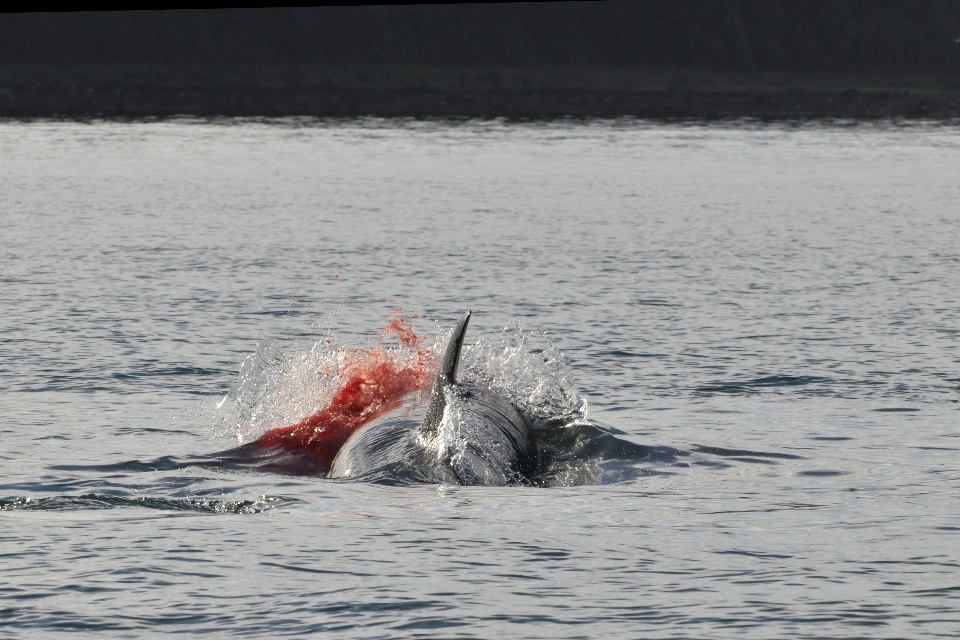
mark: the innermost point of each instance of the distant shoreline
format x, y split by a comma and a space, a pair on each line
474, 93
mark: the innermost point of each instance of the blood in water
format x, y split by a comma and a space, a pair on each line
373, 382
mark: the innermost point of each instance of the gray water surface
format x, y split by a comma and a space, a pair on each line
780, 302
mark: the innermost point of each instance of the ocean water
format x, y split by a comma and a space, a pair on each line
776, 304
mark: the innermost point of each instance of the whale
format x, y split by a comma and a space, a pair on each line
468, 435
381, 426
415, 426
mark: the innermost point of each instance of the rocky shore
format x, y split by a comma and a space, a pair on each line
25, 96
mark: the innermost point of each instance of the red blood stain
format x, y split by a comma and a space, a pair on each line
373, 382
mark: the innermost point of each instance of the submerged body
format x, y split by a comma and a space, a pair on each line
469, 435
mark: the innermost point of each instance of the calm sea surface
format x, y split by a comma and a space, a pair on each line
782, 303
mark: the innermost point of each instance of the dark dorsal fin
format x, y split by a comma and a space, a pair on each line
446, 377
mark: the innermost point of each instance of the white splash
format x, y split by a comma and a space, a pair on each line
536, 379
282, 383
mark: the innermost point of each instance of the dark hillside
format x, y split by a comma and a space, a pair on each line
294, 60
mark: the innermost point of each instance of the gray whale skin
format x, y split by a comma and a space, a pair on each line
468, 436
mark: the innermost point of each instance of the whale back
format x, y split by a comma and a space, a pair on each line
485, 439
469, 435
389, 449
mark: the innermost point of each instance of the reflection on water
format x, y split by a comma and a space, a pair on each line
762, 321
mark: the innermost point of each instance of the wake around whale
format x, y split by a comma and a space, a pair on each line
521, 426
405, 416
